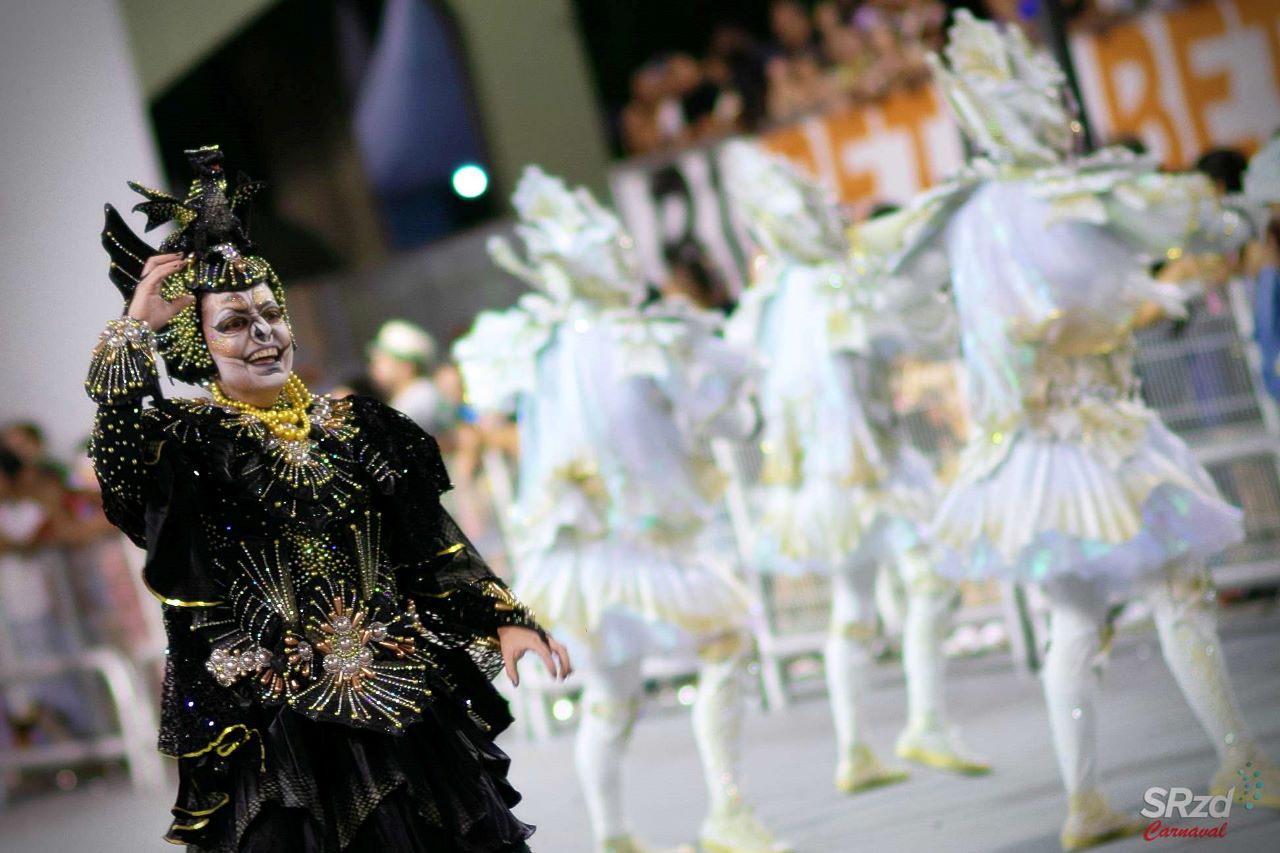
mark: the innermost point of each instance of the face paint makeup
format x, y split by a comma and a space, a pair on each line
250, 342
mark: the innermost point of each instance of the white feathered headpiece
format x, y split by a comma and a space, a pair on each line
789, 214
574, 247
1007, 96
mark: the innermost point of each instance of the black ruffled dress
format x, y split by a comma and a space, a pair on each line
332, 634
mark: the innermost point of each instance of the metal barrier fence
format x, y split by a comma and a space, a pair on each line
62, 671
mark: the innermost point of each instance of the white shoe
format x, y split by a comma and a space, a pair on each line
862, 771
1256, 781
941, 748
736, 829
1090, 822
629, 844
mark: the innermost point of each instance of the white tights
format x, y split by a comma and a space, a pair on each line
1185, 622
613, 688
848, 653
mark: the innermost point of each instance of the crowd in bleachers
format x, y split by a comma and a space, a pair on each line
835, 53
819, 57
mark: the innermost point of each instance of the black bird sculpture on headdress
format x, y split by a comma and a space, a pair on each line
208, 217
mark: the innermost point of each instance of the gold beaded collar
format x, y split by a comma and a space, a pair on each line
287, 419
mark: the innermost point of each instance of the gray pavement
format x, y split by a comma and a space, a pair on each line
1149, 738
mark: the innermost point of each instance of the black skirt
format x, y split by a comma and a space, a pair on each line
316, 787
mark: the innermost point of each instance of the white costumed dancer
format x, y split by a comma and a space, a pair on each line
613, 402
1070, 481
841, 495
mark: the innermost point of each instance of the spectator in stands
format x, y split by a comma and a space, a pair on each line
29, 628
712, 106
652, 121
795, 71
792, 30
735, 51
918, 27
25, 440
853, 61
683, 76
798, 86
108, 597
843, 10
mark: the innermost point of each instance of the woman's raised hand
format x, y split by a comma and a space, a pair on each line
147, 303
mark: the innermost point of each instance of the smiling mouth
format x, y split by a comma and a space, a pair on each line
264, 357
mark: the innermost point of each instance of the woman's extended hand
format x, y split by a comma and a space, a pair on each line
147, 303
515, 641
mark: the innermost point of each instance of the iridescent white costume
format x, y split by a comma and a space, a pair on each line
840, 494
614, 402
1070, 480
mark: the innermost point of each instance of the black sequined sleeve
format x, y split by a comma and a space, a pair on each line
465, 588
121, 374
460, 599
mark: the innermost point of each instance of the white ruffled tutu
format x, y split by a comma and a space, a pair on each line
1111, 509
572, 585
825, 527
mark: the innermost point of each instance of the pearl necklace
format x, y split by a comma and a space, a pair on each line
288, 423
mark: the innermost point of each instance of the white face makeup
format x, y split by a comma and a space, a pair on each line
250, 343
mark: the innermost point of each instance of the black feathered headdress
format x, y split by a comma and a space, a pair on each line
213, 228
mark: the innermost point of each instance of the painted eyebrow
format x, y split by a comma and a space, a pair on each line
235, 301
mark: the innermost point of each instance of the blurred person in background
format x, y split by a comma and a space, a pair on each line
1262, 259
684, 76
841, 496
853, 60
614, 404
400, 362
734, 50
462, 441
714, 107
25, 440
653, 119
110, 599
1070, 480
793, 32
31, 632
796, 67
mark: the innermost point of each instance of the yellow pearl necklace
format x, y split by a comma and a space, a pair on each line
287, 422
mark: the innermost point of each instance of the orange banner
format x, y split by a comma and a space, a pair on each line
886, 151
1202, 76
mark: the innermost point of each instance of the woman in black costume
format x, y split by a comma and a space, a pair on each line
332, 634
